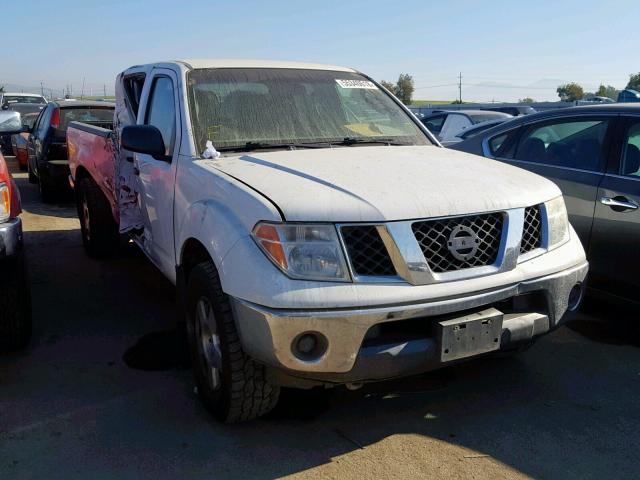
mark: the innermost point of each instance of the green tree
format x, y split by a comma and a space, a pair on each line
405, 88
526, 100
2, 89
634, 81
602, 91
389, 86
570, 92
611, 92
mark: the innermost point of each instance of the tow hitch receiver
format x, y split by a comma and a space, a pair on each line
470, 335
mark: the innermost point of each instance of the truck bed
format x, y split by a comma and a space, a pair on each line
91, 150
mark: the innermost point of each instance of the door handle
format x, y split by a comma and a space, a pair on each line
619, 204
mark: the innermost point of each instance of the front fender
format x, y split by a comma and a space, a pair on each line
215, 225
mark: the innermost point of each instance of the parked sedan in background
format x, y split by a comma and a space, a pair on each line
22, 103
15, 303
47, 144
446, 125
20, 140
593, 154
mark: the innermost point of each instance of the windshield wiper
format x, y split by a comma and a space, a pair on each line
251, 146
364, 141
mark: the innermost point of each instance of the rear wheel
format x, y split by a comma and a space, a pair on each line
99, 230
230, 384
15, 305
47, 190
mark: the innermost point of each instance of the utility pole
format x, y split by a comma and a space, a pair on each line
460, 87
82, 90
104, 90
41, 89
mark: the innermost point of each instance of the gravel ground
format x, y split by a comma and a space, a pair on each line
105, 391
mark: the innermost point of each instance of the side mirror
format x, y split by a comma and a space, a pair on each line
145, 139
10, 123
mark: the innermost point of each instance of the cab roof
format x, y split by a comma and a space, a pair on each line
193, 64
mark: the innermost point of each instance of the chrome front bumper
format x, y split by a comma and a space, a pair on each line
268, 334
10, 237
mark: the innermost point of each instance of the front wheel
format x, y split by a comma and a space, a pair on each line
230, 384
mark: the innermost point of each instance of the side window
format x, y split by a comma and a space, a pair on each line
43, 123
503, 145
565, 143
133, 88
161, 111
630, 165
434, 124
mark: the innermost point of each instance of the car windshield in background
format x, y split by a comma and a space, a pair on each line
23, 99
236, 107
98, 116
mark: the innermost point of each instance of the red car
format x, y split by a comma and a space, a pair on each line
15, 299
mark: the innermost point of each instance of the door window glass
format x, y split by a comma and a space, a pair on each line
161, 112
565, 143
631, 151
434, 124
503, 145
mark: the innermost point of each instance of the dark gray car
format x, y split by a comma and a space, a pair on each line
593, 154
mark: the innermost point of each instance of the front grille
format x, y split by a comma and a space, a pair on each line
434, 237
532, 230
366, 250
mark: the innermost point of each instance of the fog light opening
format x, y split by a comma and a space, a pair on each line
309, 346
575, 297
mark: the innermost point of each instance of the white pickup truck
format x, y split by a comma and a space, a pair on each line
317, 233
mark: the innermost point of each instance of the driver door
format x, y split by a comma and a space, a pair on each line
157, 177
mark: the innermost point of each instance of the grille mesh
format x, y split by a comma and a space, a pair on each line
366, 250
433, 235
532, 230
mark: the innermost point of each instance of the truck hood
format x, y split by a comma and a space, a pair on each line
384, 183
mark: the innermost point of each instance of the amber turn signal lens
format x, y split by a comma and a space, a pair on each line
268, 237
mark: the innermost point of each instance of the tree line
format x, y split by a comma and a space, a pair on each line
571, 92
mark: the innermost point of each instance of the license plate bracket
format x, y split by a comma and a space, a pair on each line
470, 335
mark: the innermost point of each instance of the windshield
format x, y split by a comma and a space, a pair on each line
233, 107
23, 99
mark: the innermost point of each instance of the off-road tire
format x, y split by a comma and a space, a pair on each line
100, 235
244, 393
15, 305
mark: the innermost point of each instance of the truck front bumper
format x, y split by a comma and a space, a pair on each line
367, 344
10, 238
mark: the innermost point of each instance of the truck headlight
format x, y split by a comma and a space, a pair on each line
557, 221
310, 252
5, 202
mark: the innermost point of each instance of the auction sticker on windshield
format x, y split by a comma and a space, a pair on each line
356, 84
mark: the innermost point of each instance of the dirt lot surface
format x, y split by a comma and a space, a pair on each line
105, 391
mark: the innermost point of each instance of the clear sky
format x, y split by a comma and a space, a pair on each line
505, 49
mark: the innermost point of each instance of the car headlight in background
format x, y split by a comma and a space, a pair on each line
5, 202
303, 251
557, 221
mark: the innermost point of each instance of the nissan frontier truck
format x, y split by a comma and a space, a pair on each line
317, 233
